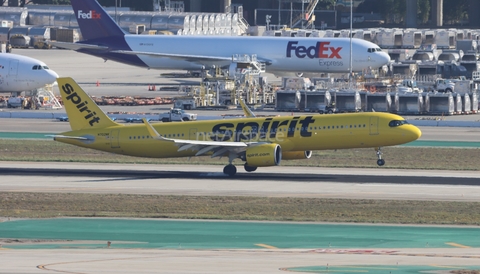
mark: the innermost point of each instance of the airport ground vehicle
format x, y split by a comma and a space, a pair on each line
15, 102
444, 85
177, 114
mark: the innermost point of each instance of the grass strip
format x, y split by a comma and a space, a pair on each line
396, 157
48, 205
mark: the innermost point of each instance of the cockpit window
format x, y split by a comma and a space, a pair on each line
39, 67
374, 49
396, 123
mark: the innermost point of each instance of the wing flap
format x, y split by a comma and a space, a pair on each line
202, 147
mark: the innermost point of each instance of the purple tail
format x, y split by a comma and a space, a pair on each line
94, 21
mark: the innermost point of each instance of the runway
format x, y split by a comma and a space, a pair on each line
310, 182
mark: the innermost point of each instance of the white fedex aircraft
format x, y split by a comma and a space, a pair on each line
105, 39
21, 73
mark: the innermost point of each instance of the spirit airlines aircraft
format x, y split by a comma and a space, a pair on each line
105, 39
20, 73
259, 142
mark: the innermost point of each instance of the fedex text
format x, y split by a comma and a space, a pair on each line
320, 50
88, 15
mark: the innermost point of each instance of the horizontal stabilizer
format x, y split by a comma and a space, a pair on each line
76, 46
68, 137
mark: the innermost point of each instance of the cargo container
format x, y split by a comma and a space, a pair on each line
160, 22
4, 34
39, 36
67, 35
63, 19
41, 17
445, 39
18, 16
19, 41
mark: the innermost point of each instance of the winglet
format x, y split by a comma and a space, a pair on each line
81, 110
246, 110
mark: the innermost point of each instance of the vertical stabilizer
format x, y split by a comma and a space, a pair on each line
82, 111
94, 21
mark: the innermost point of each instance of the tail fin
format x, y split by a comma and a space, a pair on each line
82, 111
94, 21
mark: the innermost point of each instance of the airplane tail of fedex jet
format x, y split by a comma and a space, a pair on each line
82, 111
94, 21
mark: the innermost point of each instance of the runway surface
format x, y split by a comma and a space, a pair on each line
270, 182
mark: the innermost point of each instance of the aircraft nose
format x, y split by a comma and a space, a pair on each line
384, 58
414, 133
52, 75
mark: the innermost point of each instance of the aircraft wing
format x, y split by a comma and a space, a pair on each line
187, 57
218, 148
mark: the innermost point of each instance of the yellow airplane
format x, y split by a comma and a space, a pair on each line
259, 142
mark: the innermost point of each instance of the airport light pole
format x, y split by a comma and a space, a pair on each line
350, 77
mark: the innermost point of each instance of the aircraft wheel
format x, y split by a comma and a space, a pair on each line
380, 162
230, 170
249, 168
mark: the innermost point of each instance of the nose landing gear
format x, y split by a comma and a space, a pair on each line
380, 161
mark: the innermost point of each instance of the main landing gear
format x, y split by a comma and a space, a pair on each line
380, 161
249, 168
230, 170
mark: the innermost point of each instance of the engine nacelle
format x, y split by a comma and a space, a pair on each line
264, 155
296, 155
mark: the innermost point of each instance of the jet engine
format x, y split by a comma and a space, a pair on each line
264, 155
296, 155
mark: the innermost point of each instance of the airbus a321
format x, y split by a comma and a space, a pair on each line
279, 55
259, 142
